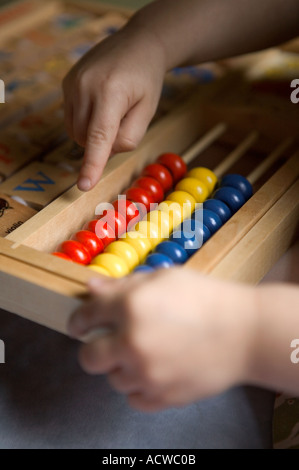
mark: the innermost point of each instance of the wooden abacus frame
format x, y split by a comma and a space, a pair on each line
46, 289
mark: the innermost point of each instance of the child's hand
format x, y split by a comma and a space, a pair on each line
111, 95
176, 336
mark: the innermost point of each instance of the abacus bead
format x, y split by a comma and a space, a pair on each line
161, 174
187, 201
76, 251
127, 209
99, 270
140, 244
193, 186
102, 230
219, 207
230, 196
141, 197
144, 269
239, 182
152, 186
163, 220
62, 256
126, 252
187, 240
202, 234
173, 250
174, 210
157, 260
115, 266
200, 230
209, 218
115, 220
206, 176
150, 231
175, 164
91, 242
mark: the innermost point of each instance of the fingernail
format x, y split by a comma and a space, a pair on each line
84, 184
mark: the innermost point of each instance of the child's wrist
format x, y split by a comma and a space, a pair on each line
141, 30
247, 313
255, 359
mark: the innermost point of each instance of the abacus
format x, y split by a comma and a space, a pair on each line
241, 137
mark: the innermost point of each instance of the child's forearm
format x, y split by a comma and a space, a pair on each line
196, 31
278, 327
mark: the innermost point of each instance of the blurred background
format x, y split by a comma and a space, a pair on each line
122, 3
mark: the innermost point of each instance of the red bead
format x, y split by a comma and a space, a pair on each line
152, 186
91, 242
91, 226
127, 209
140, 197
62, 256
115, 220
102, 230
161, 174
175, 164
76, 251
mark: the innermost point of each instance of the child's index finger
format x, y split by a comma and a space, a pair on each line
102, 131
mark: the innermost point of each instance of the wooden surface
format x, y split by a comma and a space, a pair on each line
39, 183
25, 15
265, 243
12, 215
208, 257
43, 305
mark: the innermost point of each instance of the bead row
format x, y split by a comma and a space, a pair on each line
156, 180
118, 260
234, 191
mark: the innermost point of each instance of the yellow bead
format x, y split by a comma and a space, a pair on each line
205, 175
125, 252
174, 210
187, 202
99, 270
150, 231
162, 220
140, 244
195, 187
115, 266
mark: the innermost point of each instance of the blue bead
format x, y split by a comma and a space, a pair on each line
143, 269
211, 220
187, 240
239, 182
230, 196
195, 226
203, 233
219, 207
173, 250
157, 260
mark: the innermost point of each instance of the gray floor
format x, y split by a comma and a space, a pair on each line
46, 401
